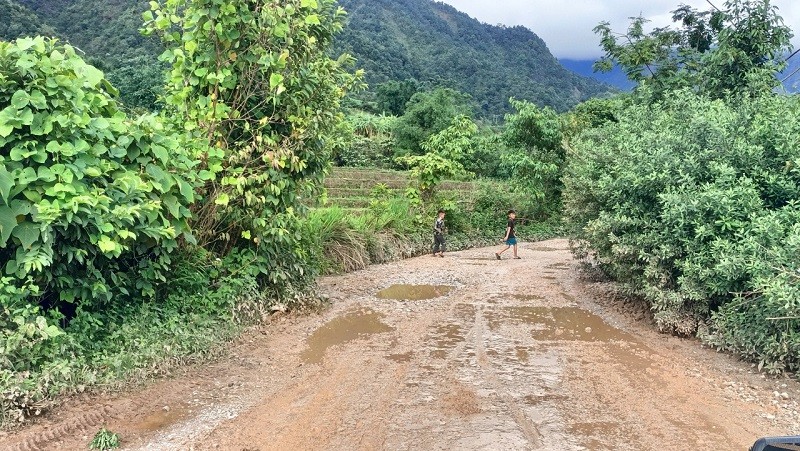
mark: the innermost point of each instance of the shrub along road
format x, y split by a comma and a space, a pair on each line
512, 354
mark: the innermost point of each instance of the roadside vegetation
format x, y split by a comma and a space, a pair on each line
133, 242
687, 191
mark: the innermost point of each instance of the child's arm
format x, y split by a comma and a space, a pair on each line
508, 231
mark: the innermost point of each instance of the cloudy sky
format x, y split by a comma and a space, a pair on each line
567, 26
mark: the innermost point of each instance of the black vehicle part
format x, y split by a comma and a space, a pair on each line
777, 444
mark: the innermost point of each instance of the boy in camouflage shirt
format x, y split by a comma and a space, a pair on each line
438, 235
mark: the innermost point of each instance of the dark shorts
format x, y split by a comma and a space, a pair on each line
511, 241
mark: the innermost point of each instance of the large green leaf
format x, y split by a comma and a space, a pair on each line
27, 233
6, 182
93, 75
8, 222
20, 99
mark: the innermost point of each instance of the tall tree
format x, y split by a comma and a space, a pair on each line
428, 113
391, 97
253, 81
738, 48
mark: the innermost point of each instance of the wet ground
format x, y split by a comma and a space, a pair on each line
463, 353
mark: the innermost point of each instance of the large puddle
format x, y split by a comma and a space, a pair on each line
558, 323
414, 292
345, 328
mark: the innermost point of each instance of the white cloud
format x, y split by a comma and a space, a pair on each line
567, 26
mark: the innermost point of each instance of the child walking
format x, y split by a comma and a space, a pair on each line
438, 234
511, 237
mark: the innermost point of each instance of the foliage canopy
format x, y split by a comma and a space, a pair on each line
734, 50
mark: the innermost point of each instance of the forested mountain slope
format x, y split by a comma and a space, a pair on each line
423, 40
107, 32
18, 20
433, 42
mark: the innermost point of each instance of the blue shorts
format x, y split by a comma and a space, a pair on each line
511, 241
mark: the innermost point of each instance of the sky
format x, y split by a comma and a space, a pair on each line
566, 26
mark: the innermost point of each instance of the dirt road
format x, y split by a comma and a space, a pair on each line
463, 353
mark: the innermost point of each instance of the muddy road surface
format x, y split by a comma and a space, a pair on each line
457, 353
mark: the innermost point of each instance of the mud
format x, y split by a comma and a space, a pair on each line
523, 355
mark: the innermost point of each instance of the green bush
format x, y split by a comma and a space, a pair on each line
692, 203
536, 156
91, 202
206, 306
428, 113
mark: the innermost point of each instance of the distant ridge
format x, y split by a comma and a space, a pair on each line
434, 42
615, 78
424, 40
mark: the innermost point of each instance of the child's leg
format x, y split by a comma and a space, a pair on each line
508, 246
515, 250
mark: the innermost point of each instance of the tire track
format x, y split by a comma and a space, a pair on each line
527, 426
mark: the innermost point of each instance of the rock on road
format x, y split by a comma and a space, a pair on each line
464, 353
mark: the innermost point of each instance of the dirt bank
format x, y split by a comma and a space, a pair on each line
512, 354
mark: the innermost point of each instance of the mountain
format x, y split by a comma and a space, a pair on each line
616, 78
434, 43
423, 40
20, 21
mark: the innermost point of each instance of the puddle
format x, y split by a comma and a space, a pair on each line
559, 323
401, 358
446, 337
414, 292
348, 327
162, 419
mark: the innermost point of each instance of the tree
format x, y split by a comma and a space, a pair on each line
391, 97
736, 49
252, 80
91, 200
428, 113
446, 154
537, 154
